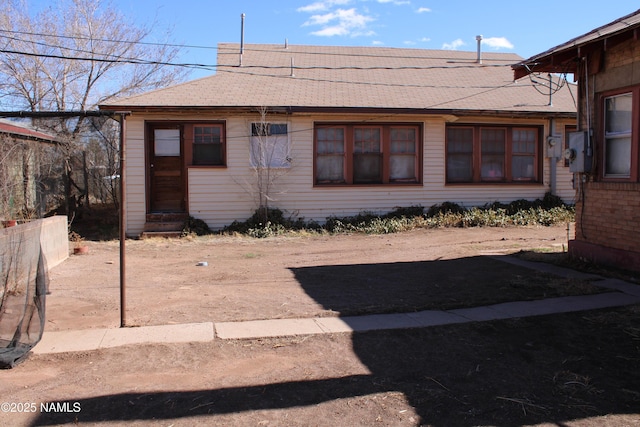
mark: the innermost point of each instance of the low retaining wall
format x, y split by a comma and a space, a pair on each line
51, 234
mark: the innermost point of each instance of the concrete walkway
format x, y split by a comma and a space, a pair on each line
622, 294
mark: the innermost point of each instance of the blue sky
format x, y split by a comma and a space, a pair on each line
522, 27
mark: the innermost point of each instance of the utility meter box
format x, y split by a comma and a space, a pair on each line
579, 152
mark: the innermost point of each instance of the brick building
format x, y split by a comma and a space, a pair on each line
605, 152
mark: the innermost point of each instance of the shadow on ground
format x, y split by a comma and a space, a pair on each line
548, 369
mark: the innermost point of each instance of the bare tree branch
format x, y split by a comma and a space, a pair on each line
76, 55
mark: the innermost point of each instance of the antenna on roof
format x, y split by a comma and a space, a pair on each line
241, 37
292, 67
286, 44
479, 40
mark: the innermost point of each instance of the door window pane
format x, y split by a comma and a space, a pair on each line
166, 142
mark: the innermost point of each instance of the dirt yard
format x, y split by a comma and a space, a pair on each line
580, 369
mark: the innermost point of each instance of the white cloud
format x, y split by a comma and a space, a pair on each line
497, 43
423, 10
453, 45
320, 6
408, 43
425, 39
340, 22
377, 43
395, 2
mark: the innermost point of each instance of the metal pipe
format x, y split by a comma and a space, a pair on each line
122, 220
479, 40
241, 37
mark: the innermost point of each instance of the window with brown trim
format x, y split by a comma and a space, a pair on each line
367, 154
205, 143
620, 135
493, 154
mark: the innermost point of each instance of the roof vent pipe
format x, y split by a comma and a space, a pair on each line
286, 44
479, 40
241, 37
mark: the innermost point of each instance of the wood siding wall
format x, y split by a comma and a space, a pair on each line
221, 195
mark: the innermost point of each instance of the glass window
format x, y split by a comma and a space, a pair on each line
492, 154
617, 135
330, 155
367, 156
477, 153
402, 159
270, 145
166, 142
460, 154
523, 154
372, 154
207, 145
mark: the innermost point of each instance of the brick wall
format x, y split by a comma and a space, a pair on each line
608, 213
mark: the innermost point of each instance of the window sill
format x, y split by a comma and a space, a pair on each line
496, 183
207, 167
401, 184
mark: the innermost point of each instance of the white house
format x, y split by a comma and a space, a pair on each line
341, 130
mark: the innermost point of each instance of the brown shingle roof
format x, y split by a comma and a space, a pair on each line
355, 77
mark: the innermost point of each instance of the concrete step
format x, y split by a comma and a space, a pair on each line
164, 226
166, 234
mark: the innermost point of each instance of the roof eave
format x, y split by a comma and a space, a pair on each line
343, 110
566, 57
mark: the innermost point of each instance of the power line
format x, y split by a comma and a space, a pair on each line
249, 48
94, 59
234, 69
266, 67
28, 33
